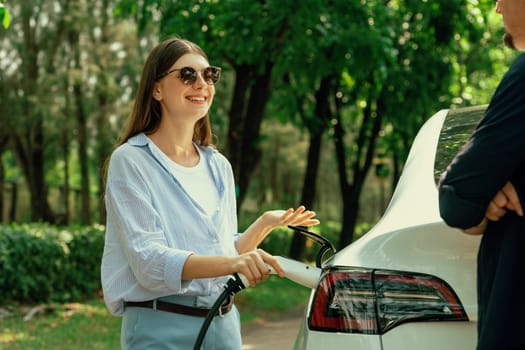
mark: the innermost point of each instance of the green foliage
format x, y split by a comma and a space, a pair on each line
278, 242
5, 17
42, 263
83, 261
404, 59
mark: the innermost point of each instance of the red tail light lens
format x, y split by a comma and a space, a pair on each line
373, 302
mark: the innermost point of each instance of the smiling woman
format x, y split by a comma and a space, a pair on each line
171, 239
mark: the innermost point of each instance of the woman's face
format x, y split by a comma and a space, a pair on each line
185, 102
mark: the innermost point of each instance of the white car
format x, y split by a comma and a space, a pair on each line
410, 282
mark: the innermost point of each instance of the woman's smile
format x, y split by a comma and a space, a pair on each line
199, 99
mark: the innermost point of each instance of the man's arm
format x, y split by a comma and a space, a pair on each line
506, 199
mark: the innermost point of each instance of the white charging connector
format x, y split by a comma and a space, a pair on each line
301, 273
295, 271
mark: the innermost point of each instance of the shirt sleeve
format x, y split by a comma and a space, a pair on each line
491, 156
135, 222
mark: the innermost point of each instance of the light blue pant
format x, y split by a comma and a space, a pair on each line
144, 329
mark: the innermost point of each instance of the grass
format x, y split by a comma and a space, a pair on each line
89, 326
70, 326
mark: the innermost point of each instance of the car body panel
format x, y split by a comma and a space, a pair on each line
325, 340
441, 336
412, 237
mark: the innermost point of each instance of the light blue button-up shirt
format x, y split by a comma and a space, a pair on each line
153, 225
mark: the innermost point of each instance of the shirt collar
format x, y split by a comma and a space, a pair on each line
141, 140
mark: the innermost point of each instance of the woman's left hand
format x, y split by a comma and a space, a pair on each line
293, 217
271, 219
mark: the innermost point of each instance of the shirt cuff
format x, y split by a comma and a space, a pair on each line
458, 212
173, 271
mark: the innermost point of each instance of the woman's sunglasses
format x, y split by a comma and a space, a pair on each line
188, 75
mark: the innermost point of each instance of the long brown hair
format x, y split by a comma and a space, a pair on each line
146, 113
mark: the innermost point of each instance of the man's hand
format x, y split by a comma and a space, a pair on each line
505, 199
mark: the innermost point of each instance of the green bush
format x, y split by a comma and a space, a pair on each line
44, 263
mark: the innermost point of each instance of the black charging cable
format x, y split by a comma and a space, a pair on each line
326, 245
233, 286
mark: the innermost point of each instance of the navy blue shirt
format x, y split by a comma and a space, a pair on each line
494, 155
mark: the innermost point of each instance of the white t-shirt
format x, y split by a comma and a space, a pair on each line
197, 181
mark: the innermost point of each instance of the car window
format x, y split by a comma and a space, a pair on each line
457, 128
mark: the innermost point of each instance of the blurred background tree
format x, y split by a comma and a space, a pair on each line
320, 100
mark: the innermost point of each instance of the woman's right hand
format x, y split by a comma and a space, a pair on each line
255, 266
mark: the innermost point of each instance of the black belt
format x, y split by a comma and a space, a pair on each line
180, 309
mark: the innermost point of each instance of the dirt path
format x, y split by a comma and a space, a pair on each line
276, 334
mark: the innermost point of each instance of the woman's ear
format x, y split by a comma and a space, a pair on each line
156, 92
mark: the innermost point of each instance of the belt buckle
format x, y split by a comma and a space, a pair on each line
225, 305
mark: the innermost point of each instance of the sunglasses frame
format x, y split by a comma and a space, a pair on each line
193, 73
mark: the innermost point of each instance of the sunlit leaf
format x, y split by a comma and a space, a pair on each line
5, 16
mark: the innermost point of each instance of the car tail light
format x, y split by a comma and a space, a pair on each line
375, 301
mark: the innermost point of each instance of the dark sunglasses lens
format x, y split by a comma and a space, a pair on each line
188, 75
211, 75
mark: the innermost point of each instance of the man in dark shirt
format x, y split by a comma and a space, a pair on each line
479, 193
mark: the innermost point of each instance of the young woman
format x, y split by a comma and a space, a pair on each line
171, 239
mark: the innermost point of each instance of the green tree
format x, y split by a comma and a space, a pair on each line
33, 44
339, 38
63, 107
415, 81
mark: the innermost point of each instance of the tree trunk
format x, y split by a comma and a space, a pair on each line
362, 161
65, 187
243, 74
103, 152
350, 212
245, 123
317, 127
28, 141
246, 117
308, 192
2, 188
38, 187
104, 146
85, 207
13, 201
251, 151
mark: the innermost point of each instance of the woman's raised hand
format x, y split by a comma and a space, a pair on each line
293, 217
271, 219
